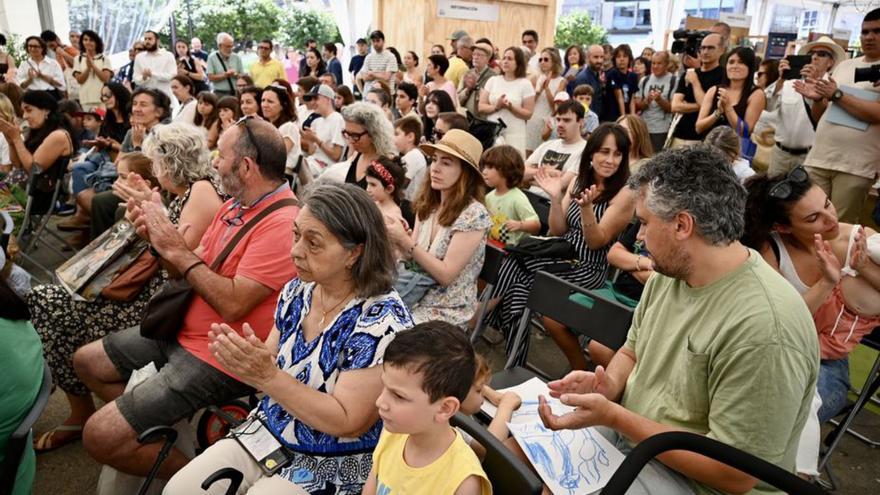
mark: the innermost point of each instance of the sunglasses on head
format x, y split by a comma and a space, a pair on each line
783, 189
244, 123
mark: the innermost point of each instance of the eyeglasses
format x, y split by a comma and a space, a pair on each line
783, 189
820, 53
354, 136
244, 123
760, 74
264, 47
35, 46
138, 48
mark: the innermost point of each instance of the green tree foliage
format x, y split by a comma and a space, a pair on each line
299, 25
245, 20
578, 29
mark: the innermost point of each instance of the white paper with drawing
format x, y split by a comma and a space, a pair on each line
570, 461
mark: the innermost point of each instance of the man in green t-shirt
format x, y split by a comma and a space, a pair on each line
720, 344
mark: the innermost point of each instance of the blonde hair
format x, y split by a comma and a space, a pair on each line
638, 131
7, 111
555, 59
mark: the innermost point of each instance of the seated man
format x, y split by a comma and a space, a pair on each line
245, 288
720, 344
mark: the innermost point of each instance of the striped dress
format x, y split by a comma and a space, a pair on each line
516, 277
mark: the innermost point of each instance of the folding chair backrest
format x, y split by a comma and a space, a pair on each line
506, 472
679, 440
491, 264
18, 441
580, 310
542, 208
872, 340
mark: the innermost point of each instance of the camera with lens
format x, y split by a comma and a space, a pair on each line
688, 42
870, 74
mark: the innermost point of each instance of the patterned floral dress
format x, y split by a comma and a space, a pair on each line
356, 339
455, 303
65, 325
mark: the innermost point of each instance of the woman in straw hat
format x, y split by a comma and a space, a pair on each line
448, 240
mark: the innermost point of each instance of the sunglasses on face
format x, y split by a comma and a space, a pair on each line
544, 59
822, 54
106, 97
783, 189
354, 136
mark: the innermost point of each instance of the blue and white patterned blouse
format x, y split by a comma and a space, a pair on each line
356, 339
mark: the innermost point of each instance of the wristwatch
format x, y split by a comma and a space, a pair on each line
838, 94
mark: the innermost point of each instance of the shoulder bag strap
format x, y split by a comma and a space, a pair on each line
218, 262
223, 64
671, 88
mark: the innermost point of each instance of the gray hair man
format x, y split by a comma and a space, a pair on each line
460, 63
243, 288
472, 81
224, 66
720, 344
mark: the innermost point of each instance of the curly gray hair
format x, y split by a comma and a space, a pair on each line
377, 125
697, 180
181, 151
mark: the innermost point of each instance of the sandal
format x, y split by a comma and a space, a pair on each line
46, 442
73, 224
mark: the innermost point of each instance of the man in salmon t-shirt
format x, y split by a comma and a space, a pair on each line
244, 289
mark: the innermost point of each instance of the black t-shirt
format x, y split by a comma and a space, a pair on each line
628, 83
687, 126
626, 284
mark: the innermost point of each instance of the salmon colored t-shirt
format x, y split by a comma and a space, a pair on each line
263, 255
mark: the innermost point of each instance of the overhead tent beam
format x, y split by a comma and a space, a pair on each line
829, 28
44, 7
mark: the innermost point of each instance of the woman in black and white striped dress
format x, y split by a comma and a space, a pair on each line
590, 214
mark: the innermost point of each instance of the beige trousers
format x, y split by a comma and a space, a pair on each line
227, 453
783, 162
848, 192
681, 143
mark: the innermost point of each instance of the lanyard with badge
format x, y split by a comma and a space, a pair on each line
255, 438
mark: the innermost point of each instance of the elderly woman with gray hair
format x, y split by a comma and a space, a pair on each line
182, 166
319, 365
369, 133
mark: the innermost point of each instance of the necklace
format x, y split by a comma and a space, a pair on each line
325, 311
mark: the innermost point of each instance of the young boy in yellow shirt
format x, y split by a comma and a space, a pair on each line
427, 373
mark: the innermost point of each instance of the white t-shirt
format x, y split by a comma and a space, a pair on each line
185, 113
743, 169
564, 157
290, 130
516, 90
329, 130
46, 66
90, 91
416, 165
5, 159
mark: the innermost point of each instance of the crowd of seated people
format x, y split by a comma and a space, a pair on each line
333, 250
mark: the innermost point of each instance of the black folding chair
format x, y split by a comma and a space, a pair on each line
678, 440
38, 211
872, 382
582, 311
18, 441
489, 274
506, 472
542, 208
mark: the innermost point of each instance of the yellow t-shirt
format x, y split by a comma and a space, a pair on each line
264, 74
442, 476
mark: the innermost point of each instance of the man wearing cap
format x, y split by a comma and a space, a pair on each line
453, 40
322, 142
460, 62
845, 158
472, 81
792, 112
379, 64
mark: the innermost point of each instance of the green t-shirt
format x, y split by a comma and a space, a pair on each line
736, 360
21, 375
512, 205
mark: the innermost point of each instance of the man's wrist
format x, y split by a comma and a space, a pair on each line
180, 258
